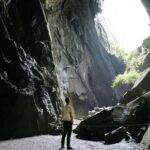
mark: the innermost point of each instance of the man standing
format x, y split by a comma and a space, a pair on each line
67, 118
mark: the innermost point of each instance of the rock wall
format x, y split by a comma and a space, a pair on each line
132, 114
128, 119
29, 104
146, 4
84, 66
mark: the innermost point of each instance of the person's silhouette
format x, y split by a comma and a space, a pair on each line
67, 118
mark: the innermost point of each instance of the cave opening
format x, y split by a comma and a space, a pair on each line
126, 23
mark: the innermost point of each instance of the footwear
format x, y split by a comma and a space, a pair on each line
69, 148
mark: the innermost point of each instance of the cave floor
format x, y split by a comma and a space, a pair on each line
48, 142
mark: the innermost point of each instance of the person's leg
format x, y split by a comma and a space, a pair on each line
64, 134
69, 134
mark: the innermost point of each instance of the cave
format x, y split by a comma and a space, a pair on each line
83, 49
53, 49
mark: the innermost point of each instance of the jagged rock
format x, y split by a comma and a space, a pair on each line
145, 143
138, 105
116, 135
130, 95
141, 134
29, 102
140, 87
96, 126
143, 82
138, 114
55, 129
133, 116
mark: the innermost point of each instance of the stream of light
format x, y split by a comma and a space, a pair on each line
127, 22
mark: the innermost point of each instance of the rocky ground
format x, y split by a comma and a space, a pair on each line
48, 142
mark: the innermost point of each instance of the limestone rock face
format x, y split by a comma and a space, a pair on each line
84, 67
146, 4
28, 86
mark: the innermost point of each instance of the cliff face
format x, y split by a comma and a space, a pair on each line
28, 87
146, 4
80, 48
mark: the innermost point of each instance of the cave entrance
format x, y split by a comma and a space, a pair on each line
126, 23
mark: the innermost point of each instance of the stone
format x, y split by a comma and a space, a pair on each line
133, 116
138, 115
96, 126
145, 143
141, 134
129, 96
116, 135
144, 81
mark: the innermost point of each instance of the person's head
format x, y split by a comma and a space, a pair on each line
67, 100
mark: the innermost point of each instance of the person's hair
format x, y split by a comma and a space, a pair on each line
67, 100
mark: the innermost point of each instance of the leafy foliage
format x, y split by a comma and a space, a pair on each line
120, 53
136, 62
133, 63
126, 78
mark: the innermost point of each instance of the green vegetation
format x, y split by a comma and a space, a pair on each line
133, 61
120, 53
126, 78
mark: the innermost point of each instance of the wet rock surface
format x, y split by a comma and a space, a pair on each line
28, 87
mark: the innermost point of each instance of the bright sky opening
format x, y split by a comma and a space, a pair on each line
128, 21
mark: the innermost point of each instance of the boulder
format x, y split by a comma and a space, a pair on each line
140, 87
133, 116
96, 126
145, 143
116, 135
131, 95
120, 113
144, 81
141, 134
138, 115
